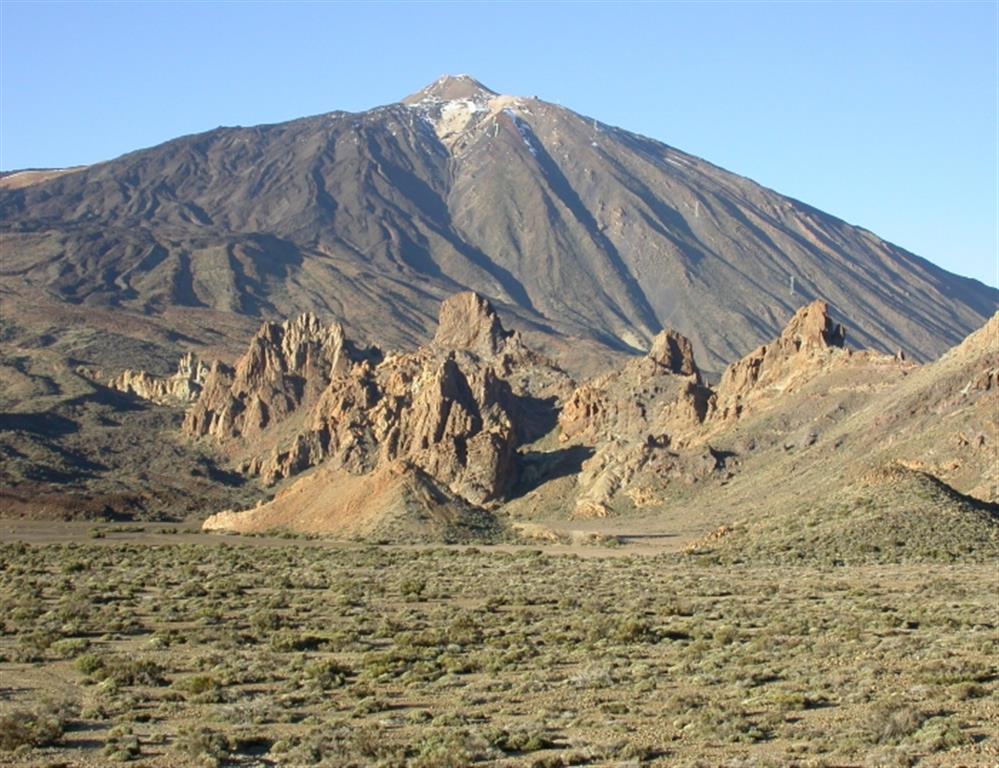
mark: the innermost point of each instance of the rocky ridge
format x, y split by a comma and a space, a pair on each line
286, 367
810, 339
455, 409
475, 428
650, 423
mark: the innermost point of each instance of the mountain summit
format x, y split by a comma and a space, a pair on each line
450, 88
588, 239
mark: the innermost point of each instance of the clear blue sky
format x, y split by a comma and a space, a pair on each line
884, 114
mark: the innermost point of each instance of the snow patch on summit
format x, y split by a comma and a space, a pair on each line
450, 118
456, 115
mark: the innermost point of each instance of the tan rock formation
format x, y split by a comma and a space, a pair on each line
468, 322
429, 444
646, 470
456, 426
638, 421
652, 425
286, 366
674, 352
454, 410
660, 390
182, 387
396, 502
806, 344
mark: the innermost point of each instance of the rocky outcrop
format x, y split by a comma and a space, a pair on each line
454, 410
397, 502
182, 387
457, 425
647, 471
431, 444
468, 322
448, 410
652, 425
287, 366
675, 353
660, 390
638, 421
808, 342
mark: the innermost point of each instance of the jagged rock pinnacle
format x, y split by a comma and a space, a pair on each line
811, 326
468, 322
675, 352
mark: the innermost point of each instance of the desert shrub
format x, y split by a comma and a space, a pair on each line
965, 691
36, 726
370, 742
206, 747
633, 630
167, 639
121, 671
252, 711
731, 725
412, 588
725, 635
892, 757
265, 621
446, 749
795, 701
326, 674
463, 630
201, 688
527, 737
369, 705
70, 647
122, 744
91, 664
893, 721
942, 733
288, 640
25, 652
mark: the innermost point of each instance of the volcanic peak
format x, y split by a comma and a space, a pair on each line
451, 88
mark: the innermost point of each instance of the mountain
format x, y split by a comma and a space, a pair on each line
589, 240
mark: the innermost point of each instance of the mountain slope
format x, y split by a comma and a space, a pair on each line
590, 239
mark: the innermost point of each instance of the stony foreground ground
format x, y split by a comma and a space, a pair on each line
117, 649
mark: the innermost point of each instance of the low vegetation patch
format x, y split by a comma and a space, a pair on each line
210, 655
